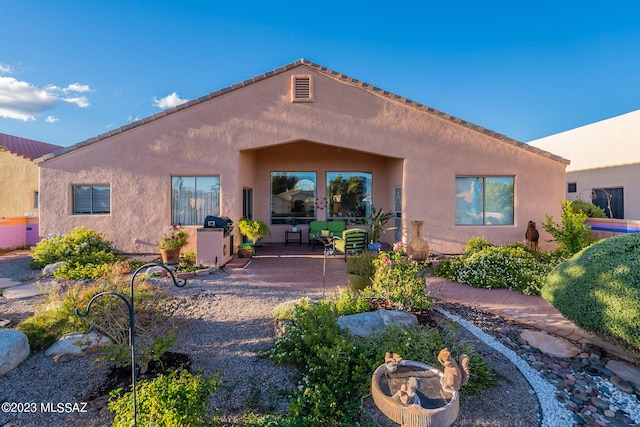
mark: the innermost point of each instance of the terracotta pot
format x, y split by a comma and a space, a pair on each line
418, 248
170, 256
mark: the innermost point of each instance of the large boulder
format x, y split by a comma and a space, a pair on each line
76, 344
366, 324
14, 349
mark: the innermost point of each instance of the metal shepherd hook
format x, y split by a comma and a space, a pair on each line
130, 306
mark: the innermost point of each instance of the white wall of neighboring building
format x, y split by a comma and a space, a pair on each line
603, 155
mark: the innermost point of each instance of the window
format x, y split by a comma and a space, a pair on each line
611, 200
36, 202
193, 198
91, 199
572, 187
293, 194
484, 200
349, 195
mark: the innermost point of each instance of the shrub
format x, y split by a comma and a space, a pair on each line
599, 288
335, 368
86, 254
349, 302
362, 264
399, 280
589, 209
176, 399
55, 316
573, 233
513, 266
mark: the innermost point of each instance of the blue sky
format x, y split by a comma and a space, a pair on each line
71, 70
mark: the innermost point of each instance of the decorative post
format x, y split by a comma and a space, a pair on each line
130, 306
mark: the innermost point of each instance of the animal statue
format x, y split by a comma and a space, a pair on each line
454, 376
391, 361
407, 393
532, 235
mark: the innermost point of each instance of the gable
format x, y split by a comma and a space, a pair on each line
302, 90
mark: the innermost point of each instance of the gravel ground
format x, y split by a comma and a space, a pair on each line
223, 325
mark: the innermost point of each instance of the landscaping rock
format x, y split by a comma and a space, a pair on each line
549, 344
49, 269
76, 343
14, 349
624, 370
366, 324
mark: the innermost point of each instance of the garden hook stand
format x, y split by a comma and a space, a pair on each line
130, 306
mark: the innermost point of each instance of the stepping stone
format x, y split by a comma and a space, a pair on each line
367, 324
14, 349
621, 384
549, 344
624, 370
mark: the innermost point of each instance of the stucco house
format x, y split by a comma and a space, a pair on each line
305, 141
605, 163
19, 174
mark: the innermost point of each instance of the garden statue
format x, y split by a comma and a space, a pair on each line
532, 235
414, 394
453, 377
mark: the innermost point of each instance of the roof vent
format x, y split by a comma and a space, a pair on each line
301, 89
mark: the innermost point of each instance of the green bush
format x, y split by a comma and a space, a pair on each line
513, 266
589, 209
399, 280
335, 368
599, 288
86, 254
573, 233
349, 302
176, 399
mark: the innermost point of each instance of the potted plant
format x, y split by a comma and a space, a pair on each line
172, 243
360, 270
293, 222
377, 220
253, 230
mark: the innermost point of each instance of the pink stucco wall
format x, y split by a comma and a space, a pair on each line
18, 231
245, 134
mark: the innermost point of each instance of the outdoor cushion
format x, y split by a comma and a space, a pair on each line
336, 227
353, 240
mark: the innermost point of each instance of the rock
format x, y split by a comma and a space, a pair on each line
549, 344
155, 270
50, 268
366, 324
609, 413
624, 370
4, 323
621, 384
76, 343
14, 349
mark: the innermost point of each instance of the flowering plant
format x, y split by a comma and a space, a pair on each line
175, 239
400, 280
293, 221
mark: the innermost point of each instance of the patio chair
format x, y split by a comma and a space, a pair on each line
353, 240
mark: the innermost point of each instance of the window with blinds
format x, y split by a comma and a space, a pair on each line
91, 199
301, 89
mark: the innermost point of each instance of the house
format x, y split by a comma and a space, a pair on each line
19, 174
19, 189
305, 141
605, 163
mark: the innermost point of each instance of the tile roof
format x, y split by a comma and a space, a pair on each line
26, 148
329, 73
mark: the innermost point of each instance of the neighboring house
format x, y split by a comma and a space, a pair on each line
19, 174
605, 163
303, 141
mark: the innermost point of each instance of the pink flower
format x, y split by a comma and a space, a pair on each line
398, 246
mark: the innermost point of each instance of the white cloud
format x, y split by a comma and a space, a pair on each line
5, 69
51, 119
23, 101
168, 101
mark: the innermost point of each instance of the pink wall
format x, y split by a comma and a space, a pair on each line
248, 132
16, 231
